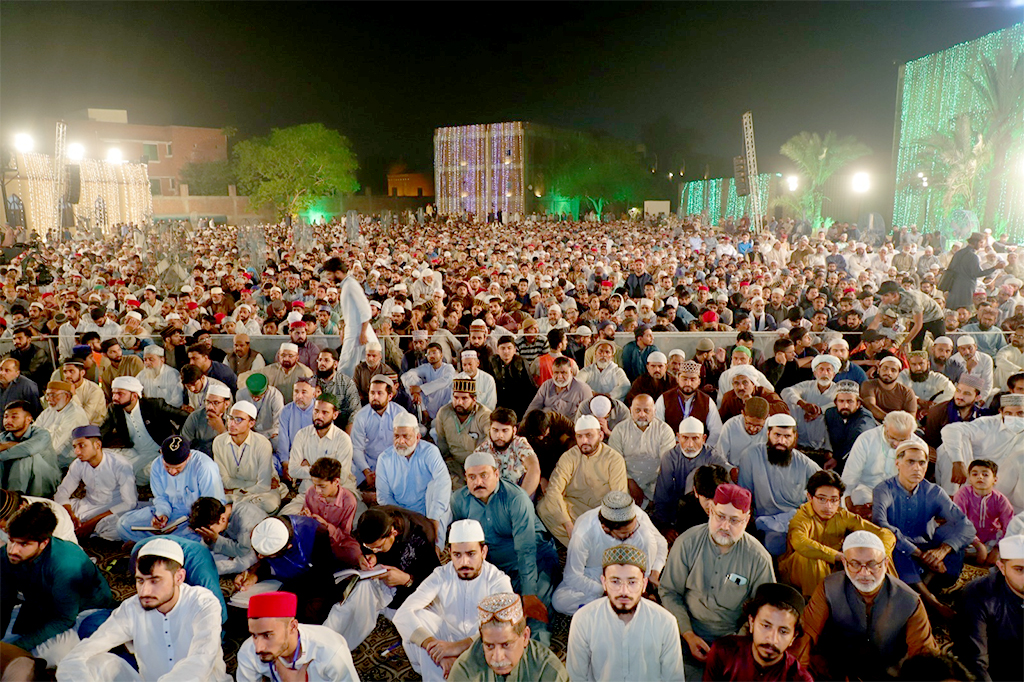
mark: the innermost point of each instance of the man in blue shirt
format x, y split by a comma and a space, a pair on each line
634, 355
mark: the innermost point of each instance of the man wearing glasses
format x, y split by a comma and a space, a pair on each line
817, 531
246, 461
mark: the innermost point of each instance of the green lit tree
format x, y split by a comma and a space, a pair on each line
597, 171
818, 159
293, 168
207, 178
954, 160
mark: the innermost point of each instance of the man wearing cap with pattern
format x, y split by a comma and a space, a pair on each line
437, 621
246, 461
109, 485
687, 400
281, 648
845, 421
776, 474
967, 360
987, 639
602, 374
582, 477
89, 393
180, 477
269, 405
322, 438
174, 628
808, 401
60, 418
461, 425
136, 425
283, 374
999, 438
644, 442
617, 521
711, 571
861, 623
158, 380
624, 637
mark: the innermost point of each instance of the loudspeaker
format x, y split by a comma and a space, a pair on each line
74, 184
739, 174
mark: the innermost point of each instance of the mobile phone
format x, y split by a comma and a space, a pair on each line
736, 579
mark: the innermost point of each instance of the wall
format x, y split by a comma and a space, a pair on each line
233, 208
410, 185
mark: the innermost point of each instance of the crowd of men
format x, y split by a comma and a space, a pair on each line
785, 493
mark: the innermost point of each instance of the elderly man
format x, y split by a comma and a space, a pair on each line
109, 486
283, 374
687, 400
989, 337
582, 477
969, 361
808, 401
210, 421
437, 621
744, 431
1010, 359
644, 442
741, 357
61, 417
269, 405
873, 459
999, 438
744, 387
598, 629
373, 365
885, 394
845, 421
246, 461
711, 571
322, 438
562, 393
517, 462
158, 380
603, 375
617, 521
909, 506
373, 428
655, 381
461, 426
243, 359
430, 384
28, 462
817, 531
412, 474
89, 393
840, 637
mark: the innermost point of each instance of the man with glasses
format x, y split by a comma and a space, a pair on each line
210, 421
817, 531
246, 461
62, 417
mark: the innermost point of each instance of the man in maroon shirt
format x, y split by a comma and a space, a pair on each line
334, 508
773, 618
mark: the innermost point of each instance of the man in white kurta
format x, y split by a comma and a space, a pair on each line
872, 458
1010, 359
246, 461
174, 629
320, 439
929, 387
643, 441
617, 521
159, 380
356, 312
63, 416
486, 389
109, 483
624, 636
809, 399
603, 375
439, 620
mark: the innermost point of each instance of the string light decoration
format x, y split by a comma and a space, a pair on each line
934, 90
40, 209
479, 168
719, 189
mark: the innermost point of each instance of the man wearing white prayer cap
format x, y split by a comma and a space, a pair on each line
283, 373
246, 461
884, 393
655, 381
808, 400
968, 360
582, 477
158, 379
603, 375
437, 622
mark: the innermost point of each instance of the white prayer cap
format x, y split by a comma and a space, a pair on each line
246, 306
480, 458
469, 354
165, 548
405, 420
134, 315
822, 359
219, 390
966, 340
172, 316
600, 406
943, 341
1012, 547
646, 302
691, 425
153, 349
374, 345
269, 537
657, 356
781, 420
745, 371
677, 351
187, 289
216, 290
287, 346
587, 422
245, 407
863, 538
891, 359
127, 384
294, 316
838, 341
1011, 400
466, 530
584, 330
860, 495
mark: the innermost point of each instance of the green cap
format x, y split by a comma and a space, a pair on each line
329, 398
256, 383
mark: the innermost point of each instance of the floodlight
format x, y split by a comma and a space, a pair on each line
114, 155
23, 143
792, 182
861, 182
75, 152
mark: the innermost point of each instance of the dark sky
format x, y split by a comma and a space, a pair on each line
387, 74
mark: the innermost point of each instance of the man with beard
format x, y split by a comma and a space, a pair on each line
816, 533
841, 637
283, 374
963, 407
63, 415
940, 355
517, 462
307, 349
845, 422
430, 384
773, 623
563, 392
174, 628
461, 426
118, 364
136, 426
322, 438
655, 381
776, 474
969, 361
437, 621
210, 421
512, 381
486, 389
280, 647
884, 394
417, 353
89, 393
35, 362
989, 336
355, 310
644, 442
605, 332
341, 386
808, 400
1010, 359
687, 400
744, 387
624, 637
158, 379
929, 387
743, 431
712, 569
370, 367
373, 432
244, 359
477, 341
840, 348
246, 461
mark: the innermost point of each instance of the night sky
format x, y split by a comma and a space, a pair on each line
676, 75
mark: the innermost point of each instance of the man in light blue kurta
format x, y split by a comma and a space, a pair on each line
431, 381
777, 475
812, 398
295, 416
373, 427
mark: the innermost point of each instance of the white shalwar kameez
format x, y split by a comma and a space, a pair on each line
110, 486
871, 461
810, 434
734, 442
984, 438
643, 450
355, 310
323, 651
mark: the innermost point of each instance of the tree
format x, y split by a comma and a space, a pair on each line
293, 168
818, 159
955, 159
207, 178
595, 170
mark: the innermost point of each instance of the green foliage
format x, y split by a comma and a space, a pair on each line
955, 159
818, 159
207, 178
293, 168
598, 171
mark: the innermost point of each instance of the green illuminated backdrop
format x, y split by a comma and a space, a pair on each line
722, 201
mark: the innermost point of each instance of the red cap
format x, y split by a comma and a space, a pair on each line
297, 324
131, 301
702, 288
709, 316
606, 283
744, 283
273, 605
219, 317
298, 304
192, 305
730, 493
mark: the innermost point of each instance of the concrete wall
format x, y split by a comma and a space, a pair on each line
233, 208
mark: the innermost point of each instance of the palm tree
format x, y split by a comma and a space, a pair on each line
954, 161
818, 159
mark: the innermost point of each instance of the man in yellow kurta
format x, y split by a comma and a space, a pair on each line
581, 479
817, 532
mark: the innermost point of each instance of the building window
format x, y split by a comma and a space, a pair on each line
154, 186
173, 183
169, 150
419, 191
149, 152
15, 211
394, 191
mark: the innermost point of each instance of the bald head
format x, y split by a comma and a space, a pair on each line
642, 410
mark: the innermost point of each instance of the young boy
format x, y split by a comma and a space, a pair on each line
987, 508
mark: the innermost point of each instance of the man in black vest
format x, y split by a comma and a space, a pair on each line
687, 400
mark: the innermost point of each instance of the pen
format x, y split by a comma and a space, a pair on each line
390, 650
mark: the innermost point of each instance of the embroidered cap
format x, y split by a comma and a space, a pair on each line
623, 555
